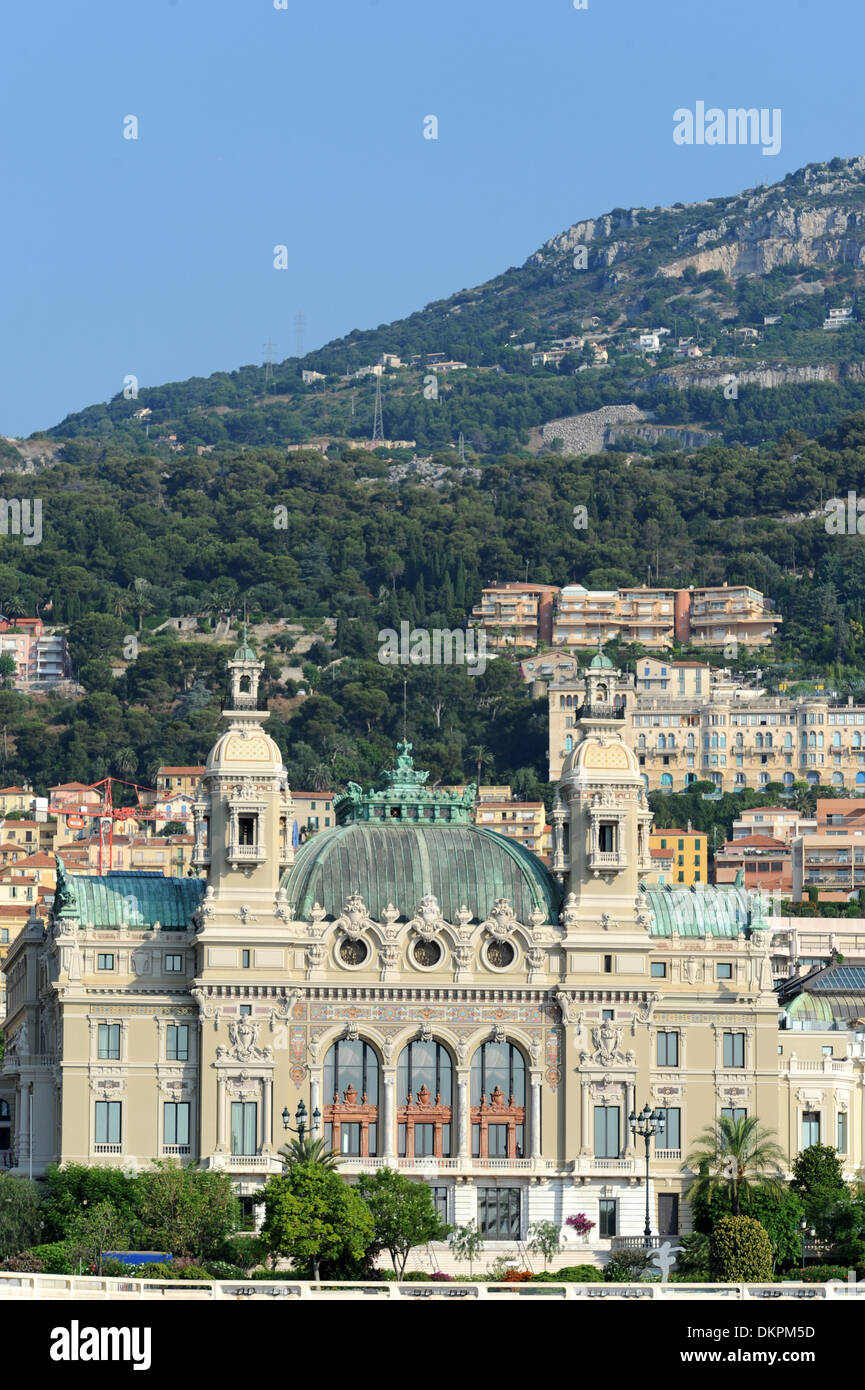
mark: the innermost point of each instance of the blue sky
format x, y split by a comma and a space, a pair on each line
304, 126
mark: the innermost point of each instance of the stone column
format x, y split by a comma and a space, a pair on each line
535, 1117
585, 1115
314, 1096
629, 1109
267, 1114
389, 1145
463, 1117
220, 1114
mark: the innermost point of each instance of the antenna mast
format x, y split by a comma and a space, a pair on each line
377, 425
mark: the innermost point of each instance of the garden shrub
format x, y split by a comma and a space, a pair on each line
56, 1257
24, 1263
814, 1274
518, 1276
740, 1251
626, 1267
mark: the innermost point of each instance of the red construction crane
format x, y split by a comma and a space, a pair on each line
107, 813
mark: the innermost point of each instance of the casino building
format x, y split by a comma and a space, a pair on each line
449, 1005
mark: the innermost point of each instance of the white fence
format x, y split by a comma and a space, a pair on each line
81, 1287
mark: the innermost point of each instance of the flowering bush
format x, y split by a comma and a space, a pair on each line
580, 1223
440, 1277
518, 1276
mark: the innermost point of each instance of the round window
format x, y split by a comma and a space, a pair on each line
427, 953
500, 954
353, 952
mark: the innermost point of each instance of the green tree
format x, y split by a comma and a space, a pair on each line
466, 1243
8, 667
545, 1239
68, 1191
312, 1215
740, 1251
818, 1178
96, 1230
734, 1154
20, 1221
403, 1214
189, 1210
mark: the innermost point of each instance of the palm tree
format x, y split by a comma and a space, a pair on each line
307, 1150
481, 755
125, 761
735, 1154
141, 602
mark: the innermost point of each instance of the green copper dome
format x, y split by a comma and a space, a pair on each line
402, 841
599, 662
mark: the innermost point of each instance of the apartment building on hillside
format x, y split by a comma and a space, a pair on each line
731, 736
575, 618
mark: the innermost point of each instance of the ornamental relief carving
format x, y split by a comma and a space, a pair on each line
243, 1036
607, 1052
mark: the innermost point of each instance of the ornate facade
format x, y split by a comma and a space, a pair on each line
447, 1004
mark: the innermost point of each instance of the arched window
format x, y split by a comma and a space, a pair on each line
857, 740
351, 1116
641, 743
561, 702
759, 741
788, 740
671, 741
723, 740
837, 779
789, 779
4, 1110
498, 1101
740, 742
662, 742
689, 778
424, 1080
860, 779
812, 740
569, 744
768, 740
836, 740
820, 740
666, 782
690, 743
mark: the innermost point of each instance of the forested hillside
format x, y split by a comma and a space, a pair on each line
193, 499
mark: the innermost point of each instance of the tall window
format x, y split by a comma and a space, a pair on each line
499, 1213
351, 1117
606, 1131
733, 1112
176, 1124
173, 964
177, 1042
498, 1101
606, 1217
810, 1128
105, 960
440, 1202
669, 1131
424, 1095
108, 1041
734, 1049
841, 1144
668, 1214
244, 1127
107, 1127
668, 1049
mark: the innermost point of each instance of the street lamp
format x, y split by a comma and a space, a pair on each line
299, 1126
644, 1126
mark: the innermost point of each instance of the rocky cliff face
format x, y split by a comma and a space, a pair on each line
811, 219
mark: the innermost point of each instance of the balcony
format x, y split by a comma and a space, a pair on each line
432, 1165
607, 861
600, 711
108, 1148
247, 854
668, 1154
176, 1150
